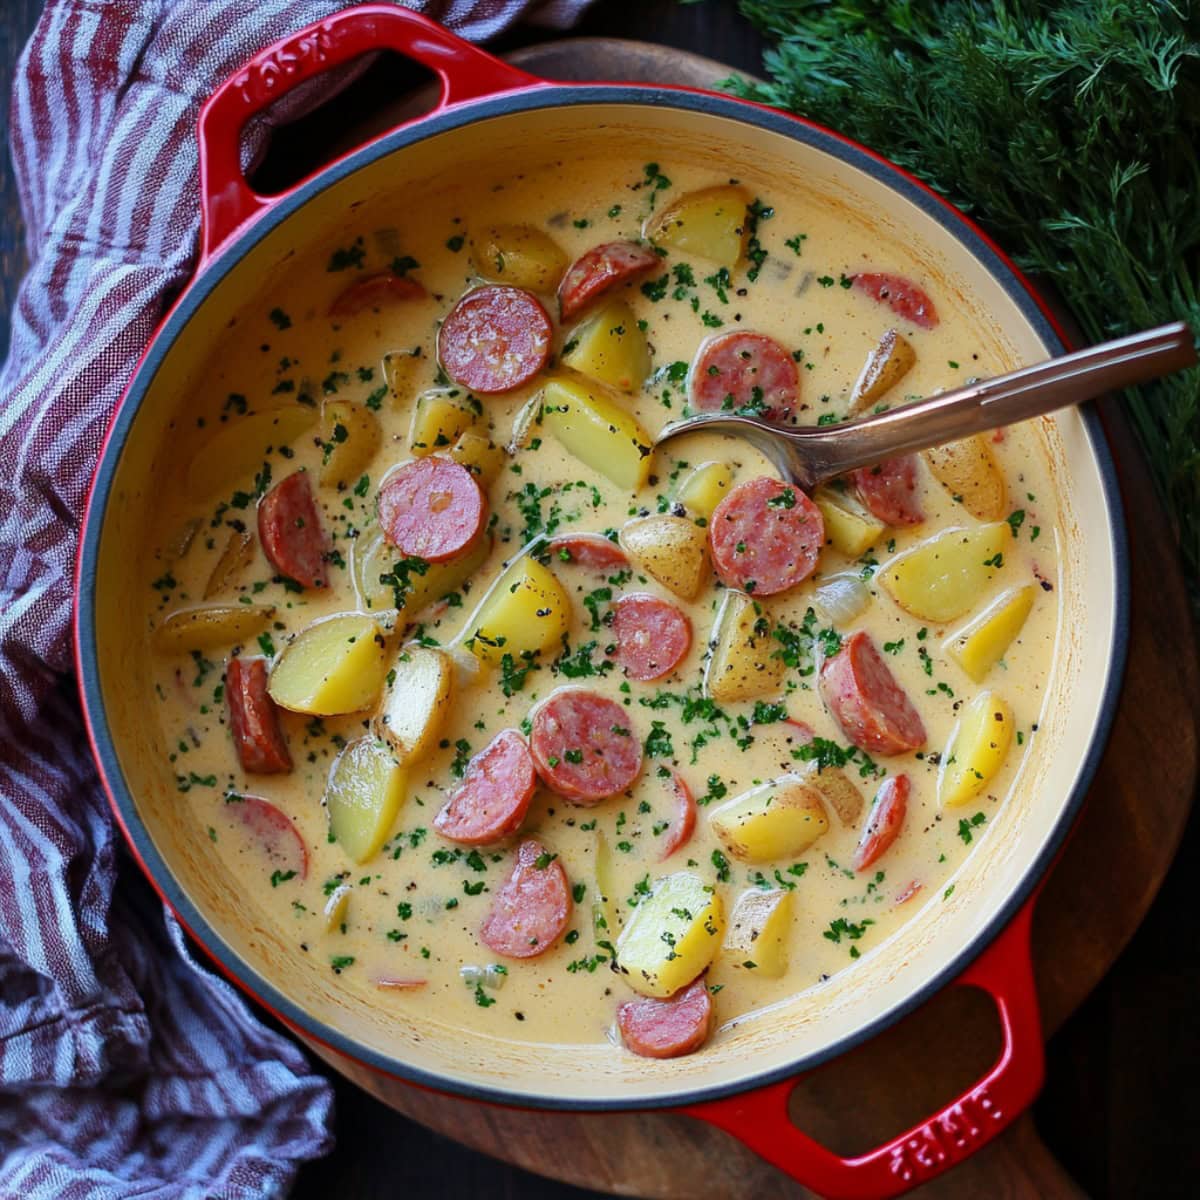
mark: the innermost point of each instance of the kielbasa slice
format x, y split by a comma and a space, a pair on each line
583, 746
864, 698
495, 339
884, 821
374, 292
603, 267
289, 527
431, 508
493, 798
667, 1028
254, 718
889, 490
901, 295
277, 837
681, 829
591, 550
653, 635
744, 372
765, 537
532, 907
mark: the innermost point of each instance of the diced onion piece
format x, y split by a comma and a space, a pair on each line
842, 597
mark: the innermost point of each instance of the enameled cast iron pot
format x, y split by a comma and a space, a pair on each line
492, 118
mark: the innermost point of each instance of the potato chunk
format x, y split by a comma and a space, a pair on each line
352, 436
757, 936
941, 578
519, 255
527, 611
976, 750
416, 703
335, 665
375, 558
849, 528
673, 934
609, 347
704, 487
886, 365
440, 417
778, 819
212, 626
400, 369
673, 550
479, 455
978, 646
969, 471
235, 558
363, 794
711, 223
597, 431
742, 663
240, 447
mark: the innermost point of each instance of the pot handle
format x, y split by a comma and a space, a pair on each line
760, 1118
227, 201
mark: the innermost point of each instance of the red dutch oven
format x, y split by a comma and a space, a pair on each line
976, 933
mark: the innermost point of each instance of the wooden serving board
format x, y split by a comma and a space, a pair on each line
1135, 815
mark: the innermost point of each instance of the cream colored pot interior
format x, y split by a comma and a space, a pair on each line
806, 1026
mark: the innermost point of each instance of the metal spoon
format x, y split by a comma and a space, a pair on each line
812, 455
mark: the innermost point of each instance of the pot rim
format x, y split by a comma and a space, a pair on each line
210, 273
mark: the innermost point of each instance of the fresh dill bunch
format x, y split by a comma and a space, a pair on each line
1068, 129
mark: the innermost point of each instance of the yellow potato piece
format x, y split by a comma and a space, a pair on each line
943, 577
335, 665
527, 611
976, 750
742, 663
416, 703
374, 557
849, 528
886, 365
480, 456
758, 928
352, 436
672, 550
440, 417
672, 935
978, 646
519, 255
336, 906
704, 487
778, 819
364, 792
240, 447
970, 473
609, 347
400, 369
839, 792
597, 430
212, 626
235, 558
711, 223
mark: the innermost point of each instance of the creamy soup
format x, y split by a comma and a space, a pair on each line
819, 706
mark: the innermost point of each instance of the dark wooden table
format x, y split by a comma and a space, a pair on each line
1120, 1107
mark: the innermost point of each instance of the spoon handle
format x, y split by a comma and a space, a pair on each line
993, 403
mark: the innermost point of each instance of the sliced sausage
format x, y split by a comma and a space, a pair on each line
907, 893
289, 527
652, 634
889, 490
738, 371
495, 339
373, 292
901, 295
532, 907
765, 537
681, 829
591, 550
667, 1028
273, 831
493, 798
864, 698
884, 821
254, 718
583, 746
431, 508
601, 268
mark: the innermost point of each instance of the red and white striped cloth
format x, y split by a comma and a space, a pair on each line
125, 1068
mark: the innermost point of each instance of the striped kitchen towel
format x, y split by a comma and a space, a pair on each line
126, 1069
